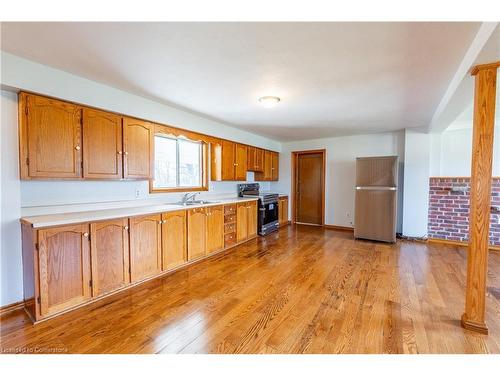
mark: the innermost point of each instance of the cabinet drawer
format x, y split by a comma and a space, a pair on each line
229, 239
230, 218
230, 228
229, 209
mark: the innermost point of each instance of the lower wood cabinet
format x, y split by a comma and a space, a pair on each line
215, 228
110, 255
197, 231
145, 247
69, 265
241, 222
174, 239
283, 211
64, 268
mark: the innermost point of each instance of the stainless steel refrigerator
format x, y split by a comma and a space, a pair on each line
376, 198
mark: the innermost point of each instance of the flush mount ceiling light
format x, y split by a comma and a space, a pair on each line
269, 101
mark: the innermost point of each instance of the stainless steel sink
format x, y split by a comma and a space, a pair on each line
193, 203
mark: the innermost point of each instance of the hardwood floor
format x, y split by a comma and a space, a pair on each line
302, 290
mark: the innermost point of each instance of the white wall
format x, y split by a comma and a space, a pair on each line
340, 169
452, 152
24, 197
416, 183
10, 234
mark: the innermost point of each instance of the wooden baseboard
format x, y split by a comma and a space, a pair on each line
338, 227
458, 243
11, 307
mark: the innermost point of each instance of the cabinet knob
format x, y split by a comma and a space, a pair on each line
119, 152
126, 153
125, 227
77, 148
160, 222
85, 235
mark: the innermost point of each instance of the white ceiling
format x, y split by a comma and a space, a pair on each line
333, 78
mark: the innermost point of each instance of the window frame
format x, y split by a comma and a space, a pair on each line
165, 131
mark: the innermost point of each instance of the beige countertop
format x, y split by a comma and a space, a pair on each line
50, 220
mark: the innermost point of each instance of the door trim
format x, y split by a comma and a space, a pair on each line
295, 155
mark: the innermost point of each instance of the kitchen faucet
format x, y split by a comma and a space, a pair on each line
188, 196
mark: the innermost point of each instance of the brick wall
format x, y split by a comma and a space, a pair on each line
449, 209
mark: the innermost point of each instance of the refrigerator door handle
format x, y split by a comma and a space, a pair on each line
376, 188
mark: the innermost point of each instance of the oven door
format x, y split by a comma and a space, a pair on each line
270, 213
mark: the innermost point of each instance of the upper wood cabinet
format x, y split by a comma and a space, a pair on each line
110, 255
240, 170
228, 161
50, 138
174, 239
138, 148
102, 146
271, 167
197, 232
64, 267
255, 159
215, 228
145, 247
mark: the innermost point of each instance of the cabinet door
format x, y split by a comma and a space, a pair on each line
240, 162
252, 219
64, 267
251, 153
268, 166
215, 229
145, 247
138, 138
275, 164
259, 160
51, 137
110, 255
280, 210
102, 147
283, 211
241, 222
197, 228
228, 160
174, 239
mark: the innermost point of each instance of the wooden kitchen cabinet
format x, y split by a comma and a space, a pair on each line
50, 138
64, 268
215, 228
174, 239
241, 222
275, 165
145, 246
109, 251
283, 210
255, 159
251, 219
197, 232
102, 146
240, 158
138, 149
228, 161
271, 167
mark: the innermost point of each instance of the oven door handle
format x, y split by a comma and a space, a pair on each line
262, 209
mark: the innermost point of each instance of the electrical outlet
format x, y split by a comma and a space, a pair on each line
137, 193
348, 214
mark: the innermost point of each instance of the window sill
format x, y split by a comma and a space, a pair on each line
177, 190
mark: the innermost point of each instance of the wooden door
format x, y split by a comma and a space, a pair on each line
138, 148
197, 230
309, 187
240, 162
102, 146
241, 222
110, 255
50, 138
228, 161
275, 165
215, 228
64, 267
251, 219
145, 247
174, 239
